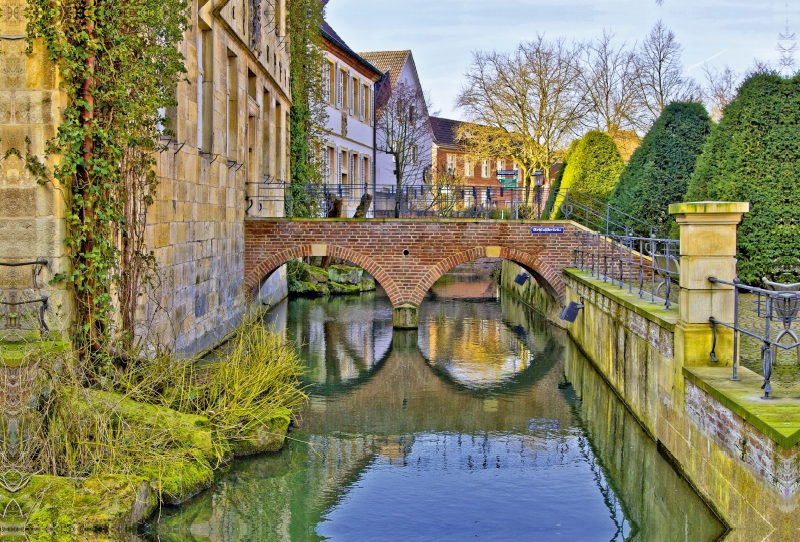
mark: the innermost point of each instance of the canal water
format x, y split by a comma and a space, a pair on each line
485, 424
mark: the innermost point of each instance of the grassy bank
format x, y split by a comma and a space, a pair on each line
97, 450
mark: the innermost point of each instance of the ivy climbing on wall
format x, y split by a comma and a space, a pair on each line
119, 64
307, 116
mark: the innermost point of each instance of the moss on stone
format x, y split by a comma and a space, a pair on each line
306, 288
345, 274
314, 275
337, 288
52, 505
268, 436
367, 283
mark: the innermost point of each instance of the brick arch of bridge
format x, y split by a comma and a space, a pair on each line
256, 278
406, 256
545, 275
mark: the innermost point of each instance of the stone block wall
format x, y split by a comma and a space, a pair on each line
196, 224
746, 477
31, 215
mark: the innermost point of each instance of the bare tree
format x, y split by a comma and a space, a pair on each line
402, 129
609, 79
720, 89
526, 104
661, 80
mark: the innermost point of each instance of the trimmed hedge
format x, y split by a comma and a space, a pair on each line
593, 166
659, 170
754, 155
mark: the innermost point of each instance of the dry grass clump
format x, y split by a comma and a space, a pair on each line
69, 421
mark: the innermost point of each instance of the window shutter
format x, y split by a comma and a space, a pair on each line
361, 104
363, 169
351, 92
338, 158
326, 74
352, 178
339, 87
371, 106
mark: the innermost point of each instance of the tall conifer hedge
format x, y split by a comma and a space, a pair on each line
593, 166
754, 155
659, 170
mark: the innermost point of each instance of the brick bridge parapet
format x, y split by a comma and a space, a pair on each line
406, 256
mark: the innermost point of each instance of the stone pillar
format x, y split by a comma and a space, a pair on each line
708, 249
405, 316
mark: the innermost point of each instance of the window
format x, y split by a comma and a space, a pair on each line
205, 90
413, 151
501, 165
468, 167
485, 169
516, 166
353, 162
451, 163
343, 167
266, 111
412, 115
251, 84
365, 170
233, 107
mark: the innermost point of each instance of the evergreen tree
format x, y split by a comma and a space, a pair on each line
753, 155
593, 166
659, 170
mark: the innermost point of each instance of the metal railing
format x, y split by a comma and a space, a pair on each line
417, 201
775, 311
646, 265
14, 296
595, 214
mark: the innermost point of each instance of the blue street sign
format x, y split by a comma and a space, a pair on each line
547, 229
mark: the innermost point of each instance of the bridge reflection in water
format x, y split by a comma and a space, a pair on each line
466, 428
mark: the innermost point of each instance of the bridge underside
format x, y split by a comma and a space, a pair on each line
406, 256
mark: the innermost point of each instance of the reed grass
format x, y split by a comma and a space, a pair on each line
80, 422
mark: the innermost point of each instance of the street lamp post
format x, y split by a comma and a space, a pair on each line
538, 179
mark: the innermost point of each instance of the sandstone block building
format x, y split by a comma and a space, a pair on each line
230, 136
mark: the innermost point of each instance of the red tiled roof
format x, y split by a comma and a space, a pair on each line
388, 61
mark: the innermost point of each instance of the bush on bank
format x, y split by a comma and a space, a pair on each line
753, 155
659, 170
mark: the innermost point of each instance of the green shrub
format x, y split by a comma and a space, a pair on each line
593, 166
549, 208
659, 170
753, 155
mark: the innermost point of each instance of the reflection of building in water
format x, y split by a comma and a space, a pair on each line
341, 340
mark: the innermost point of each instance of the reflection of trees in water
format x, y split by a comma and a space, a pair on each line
483, 345
657, 502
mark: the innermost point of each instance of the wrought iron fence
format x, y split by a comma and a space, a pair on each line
418, 201
595, 214
646, 265
776, 309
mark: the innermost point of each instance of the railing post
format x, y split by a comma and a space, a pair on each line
708, 249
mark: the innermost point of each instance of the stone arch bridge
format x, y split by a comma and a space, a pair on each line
406, 256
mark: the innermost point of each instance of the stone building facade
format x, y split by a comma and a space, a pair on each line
229, 136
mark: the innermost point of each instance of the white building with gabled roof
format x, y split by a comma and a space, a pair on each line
398, 66
349, 154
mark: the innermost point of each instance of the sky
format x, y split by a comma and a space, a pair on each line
442, 34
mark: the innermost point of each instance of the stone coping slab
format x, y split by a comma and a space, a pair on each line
777, 418
656, 313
